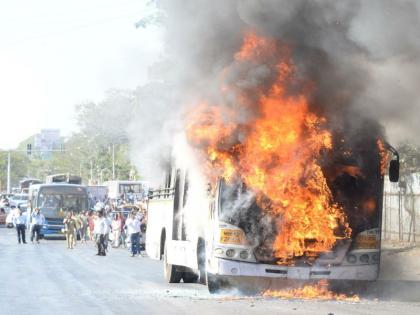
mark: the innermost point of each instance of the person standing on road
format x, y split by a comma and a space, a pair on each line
116, 230
37, 220
133, 229
19, 221
83, 225
91, 223
99, 231
77, 229
70, 228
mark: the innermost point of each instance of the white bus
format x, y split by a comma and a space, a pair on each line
198, 235
118, 189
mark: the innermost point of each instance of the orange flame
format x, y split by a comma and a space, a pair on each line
276, 154
383, 155
318, 291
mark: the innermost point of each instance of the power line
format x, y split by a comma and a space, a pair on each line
69, 30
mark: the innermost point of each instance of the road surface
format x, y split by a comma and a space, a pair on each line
49, 279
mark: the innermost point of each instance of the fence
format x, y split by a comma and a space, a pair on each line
401, 210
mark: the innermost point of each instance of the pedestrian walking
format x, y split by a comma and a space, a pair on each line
77, 229
117, 224
69, 229
133, 229
37, 221
19, 221
91, 224
99, 231
83, 226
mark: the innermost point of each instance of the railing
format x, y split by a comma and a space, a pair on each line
401, 217
161, 193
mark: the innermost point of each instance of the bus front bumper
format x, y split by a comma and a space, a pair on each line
52, 231
232, 268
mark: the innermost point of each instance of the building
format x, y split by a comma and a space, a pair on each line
46, 141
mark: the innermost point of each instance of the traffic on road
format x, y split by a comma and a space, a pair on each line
204, 157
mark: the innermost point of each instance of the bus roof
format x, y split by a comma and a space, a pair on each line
30, 180
37, 186
126, 182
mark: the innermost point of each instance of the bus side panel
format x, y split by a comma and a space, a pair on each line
159, 217
183, 253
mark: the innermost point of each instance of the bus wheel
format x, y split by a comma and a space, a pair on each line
189, 277
214, 283
201, 250
171, 274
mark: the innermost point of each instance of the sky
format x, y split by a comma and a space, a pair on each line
55, 54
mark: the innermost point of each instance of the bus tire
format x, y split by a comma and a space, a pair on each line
201, 261
189, 277
214, 283
172, 275
162, 244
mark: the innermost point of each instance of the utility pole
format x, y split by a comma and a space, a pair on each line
113, 161
29, 152
91, 172
8, 172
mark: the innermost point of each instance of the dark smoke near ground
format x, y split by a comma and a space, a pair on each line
363, 57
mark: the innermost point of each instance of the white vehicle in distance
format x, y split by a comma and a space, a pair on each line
18, 199
128, 190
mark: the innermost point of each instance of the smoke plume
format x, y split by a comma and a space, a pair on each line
361, 56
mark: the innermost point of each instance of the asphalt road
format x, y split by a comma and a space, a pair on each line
49, 279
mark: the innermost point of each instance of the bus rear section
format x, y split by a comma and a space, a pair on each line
55, 201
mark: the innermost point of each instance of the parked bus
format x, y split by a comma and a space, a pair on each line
97, 193
135, 190
63, 178
55, 200
27, 182
204, 239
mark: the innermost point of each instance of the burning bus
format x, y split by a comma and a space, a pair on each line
294, 189
236, 239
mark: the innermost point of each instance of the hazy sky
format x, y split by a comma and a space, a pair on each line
56, 53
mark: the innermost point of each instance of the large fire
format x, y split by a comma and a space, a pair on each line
318, 291
276, 154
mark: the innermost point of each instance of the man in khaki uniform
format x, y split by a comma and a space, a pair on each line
78, 226
70, 229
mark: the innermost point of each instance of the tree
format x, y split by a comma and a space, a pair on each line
19, 168
409, 158
103, 131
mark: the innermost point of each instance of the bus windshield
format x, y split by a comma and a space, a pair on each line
131, 189
64, 198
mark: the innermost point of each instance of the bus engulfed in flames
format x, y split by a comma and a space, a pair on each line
302, 191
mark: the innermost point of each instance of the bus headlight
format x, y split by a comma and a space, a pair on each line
244, 254
351, 259
364, 258
230, 253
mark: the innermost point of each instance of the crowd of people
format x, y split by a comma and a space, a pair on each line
99, 225
104, 226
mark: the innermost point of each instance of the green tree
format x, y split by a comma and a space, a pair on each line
18, 170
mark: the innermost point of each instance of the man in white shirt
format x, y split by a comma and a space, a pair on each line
133, 229
37, 221
99, 231
19, 221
